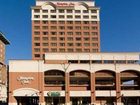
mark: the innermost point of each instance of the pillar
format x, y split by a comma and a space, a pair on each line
92, 86
41, 89
67, 89
118, 89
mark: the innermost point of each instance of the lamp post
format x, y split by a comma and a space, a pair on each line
65, 68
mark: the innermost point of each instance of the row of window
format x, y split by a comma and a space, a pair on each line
68, 44
37, 33
68, 39
68, 16
65, 11
64, 22
106, 61
66, 27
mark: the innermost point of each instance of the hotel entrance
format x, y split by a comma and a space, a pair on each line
54, 101
80, 100
27, 100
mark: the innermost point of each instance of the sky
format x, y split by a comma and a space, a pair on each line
119, 23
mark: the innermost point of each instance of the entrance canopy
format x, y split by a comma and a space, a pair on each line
22, 92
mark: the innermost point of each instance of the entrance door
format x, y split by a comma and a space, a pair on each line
27, 100
55, 101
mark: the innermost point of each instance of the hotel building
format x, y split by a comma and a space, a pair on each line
67, 67
3, 69
65, 26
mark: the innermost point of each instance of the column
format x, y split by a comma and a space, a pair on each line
41, 89
92, 86
67, 89
118, 89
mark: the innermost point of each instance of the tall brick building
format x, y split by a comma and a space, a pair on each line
65, 26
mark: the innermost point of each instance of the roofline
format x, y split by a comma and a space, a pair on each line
3, 39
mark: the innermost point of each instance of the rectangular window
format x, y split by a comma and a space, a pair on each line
36, 10
45, 11
69, 11
61, 11
45, 16
93, 11
77, 11
36, 16
53, 16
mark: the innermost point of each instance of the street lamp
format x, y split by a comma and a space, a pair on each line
65, 67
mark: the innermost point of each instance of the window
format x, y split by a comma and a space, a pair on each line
94, 22
37, 44
86, 17
45, 11
61, 11
53, 22
108, 61
77, 11
53, 16
53, 27
70, 44
44, 27
70, 22
97, 61
70, 50
54, 50
84, 61
36, 27
70, 27
69, 16
62, 27
62, 44
45, 50
62, 22
36, 38
94, 28
69, 11
53, 38
94, 50
45, 16
86, 28
36, 21
36, 16
45, 38
77, 16
53, 44
62, 33
86, 33
37, 55
45, 22
61, 16
73, 61
45, 33
86, 39
121, 61
78, 50
36, 10
45, 44
53, 33
53, 11
94, 39
93, 11
94, 33
78, 22
78, 27
86, 22
94, 17
62, 39
87, 50
36, 33
78, 44
85, 11
86, 44
62, 50
70, 33
70, 38
95, 44
78, 33
37, 50
78, 39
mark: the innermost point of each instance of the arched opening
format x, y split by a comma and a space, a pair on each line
80, 81
26, 96
54, 78
54, 83
105, 81
130, 80
130, 87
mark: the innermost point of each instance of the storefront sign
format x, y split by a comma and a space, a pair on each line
65, 4
53, 94
25, 80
